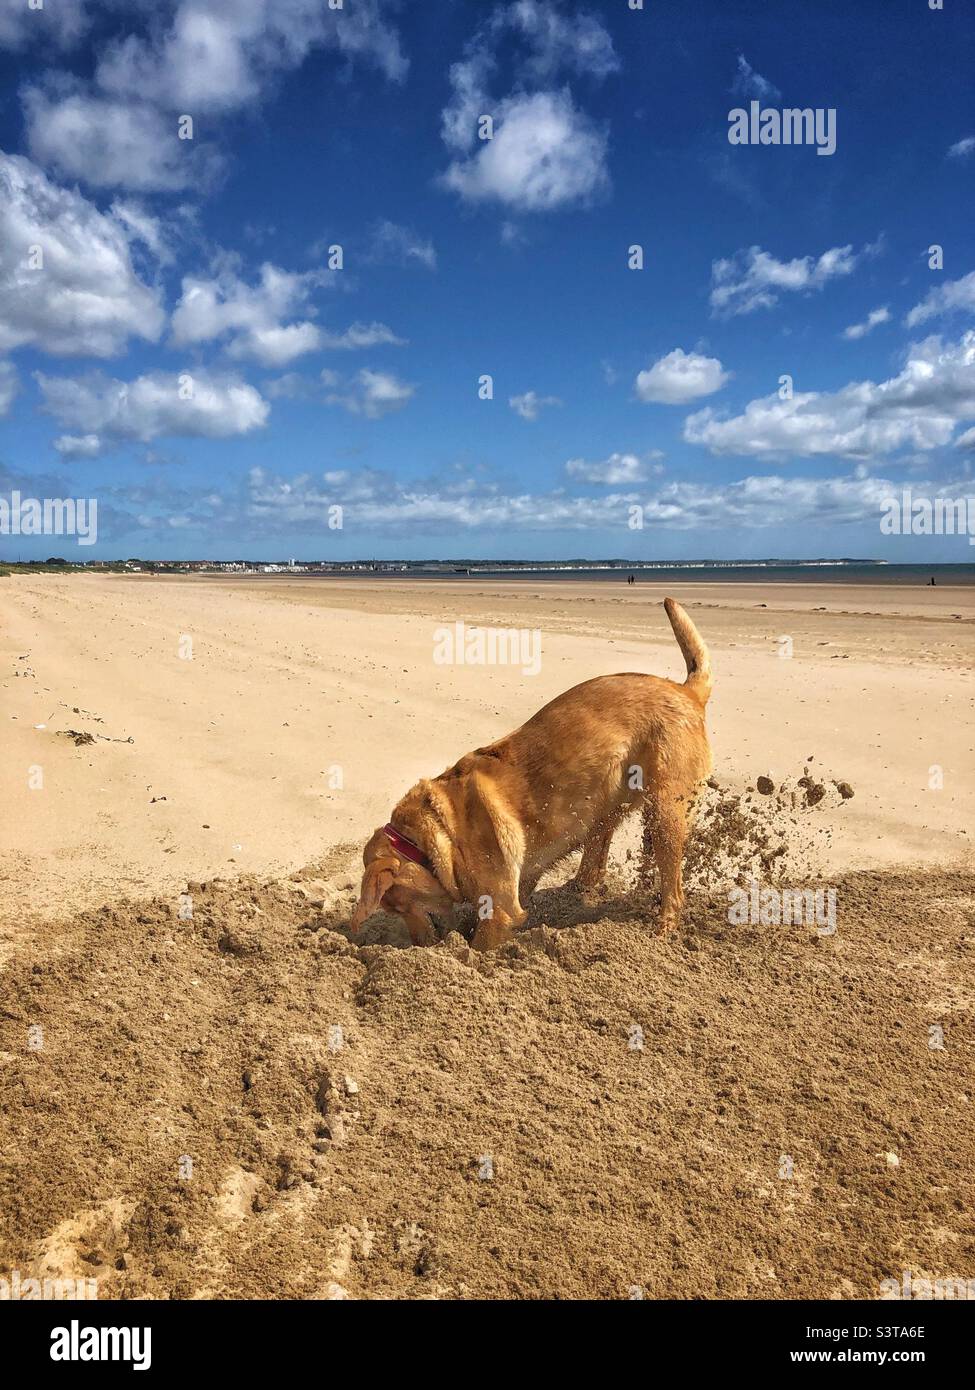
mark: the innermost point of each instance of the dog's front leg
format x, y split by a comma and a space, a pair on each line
498, 915
529, 882
420, 928
495, 930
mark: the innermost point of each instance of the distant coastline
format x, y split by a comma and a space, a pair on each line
770, 570
458, 566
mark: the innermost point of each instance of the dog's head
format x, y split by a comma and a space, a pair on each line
399, 886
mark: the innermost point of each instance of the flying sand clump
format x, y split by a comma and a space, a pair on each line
765, 833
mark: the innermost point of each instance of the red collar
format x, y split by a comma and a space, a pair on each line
407, 848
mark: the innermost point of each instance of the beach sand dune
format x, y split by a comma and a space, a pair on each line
209, 1087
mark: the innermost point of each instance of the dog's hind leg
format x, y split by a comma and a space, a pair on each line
595, 852
648, 860
667, 823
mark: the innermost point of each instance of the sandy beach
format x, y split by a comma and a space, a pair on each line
229, 767
235, 741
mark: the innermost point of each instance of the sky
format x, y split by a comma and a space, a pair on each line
267, 290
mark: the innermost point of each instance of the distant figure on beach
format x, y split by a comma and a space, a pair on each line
630, 579
931, 581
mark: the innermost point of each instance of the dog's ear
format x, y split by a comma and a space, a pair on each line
377, 880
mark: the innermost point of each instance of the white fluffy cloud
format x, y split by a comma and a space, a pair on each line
109, 142
918, 409
271, 504
86, 299
545, 152
377, 501
189, 404
770, 501
961, 149
59, 24
368, 393
680, 377
530, 404
361, 335
617, 470
547, 44
78, 446
557, 42
754, 279
156, 234
954, 296
200, 57
271, 322
218, 57
860, 330
250, 318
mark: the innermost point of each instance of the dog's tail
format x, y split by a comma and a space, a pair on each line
694, 651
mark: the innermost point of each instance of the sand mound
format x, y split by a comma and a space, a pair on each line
243, 1102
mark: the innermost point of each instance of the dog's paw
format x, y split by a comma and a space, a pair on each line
590, 893
490, 935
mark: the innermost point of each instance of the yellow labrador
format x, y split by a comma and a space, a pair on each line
485, 830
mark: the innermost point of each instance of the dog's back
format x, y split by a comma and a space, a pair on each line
600, 747
600, 716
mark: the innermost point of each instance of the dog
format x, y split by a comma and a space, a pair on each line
485, 831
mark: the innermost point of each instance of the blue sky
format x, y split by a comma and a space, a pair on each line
184, 354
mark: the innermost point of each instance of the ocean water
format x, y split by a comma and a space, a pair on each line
852, 573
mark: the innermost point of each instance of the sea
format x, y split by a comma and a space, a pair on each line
811, 572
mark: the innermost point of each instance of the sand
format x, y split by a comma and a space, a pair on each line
735, 1111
